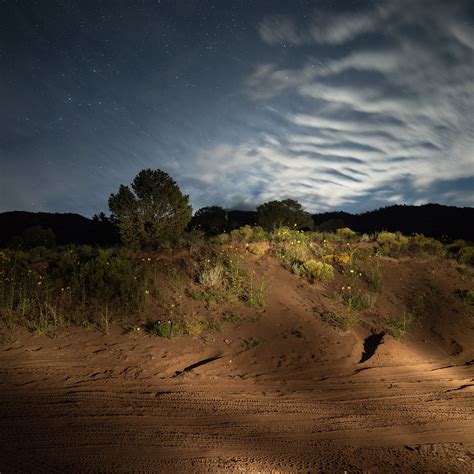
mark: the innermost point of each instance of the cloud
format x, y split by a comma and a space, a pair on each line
397, 109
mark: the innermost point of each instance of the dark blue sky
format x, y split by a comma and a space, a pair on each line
340, 104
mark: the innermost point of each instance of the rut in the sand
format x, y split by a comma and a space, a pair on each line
197, 364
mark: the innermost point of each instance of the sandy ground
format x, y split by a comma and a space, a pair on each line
86, 402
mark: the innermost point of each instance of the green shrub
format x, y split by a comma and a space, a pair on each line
346, 233
259, 234
242, 234
193, 325
391, 243
422, 244
286, 234
467, 296
342, 258
246, 234
454, 247
194, 240
256, 249
293, 252
391, 239
75, 285
223, 238
315, 270
466, 255
113, 277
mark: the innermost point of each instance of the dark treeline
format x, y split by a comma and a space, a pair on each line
434, 220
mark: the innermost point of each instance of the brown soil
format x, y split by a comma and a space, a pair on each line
81, 401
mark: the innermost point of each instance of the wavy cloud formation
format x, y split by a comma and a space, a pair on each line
379, 109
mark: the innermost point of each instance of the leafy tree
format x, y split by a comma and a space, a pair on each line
288, 212
211, 219
105, 229
153, 212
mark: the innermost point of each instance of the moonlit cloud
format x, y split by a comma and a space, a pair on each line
386, 121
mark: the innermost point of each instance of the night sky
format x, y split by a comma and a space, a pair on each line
345, 105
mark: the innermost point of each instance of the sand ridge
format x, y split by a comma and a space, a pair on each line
302, 401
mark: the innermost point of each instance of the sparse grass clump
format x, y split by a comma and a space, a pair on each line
398, 326
251, 342
374, 277
211, 277
232, 318
255, 296
228, 281
168, 329
255, 299
342, 320
189, 325
356, 299
132, 330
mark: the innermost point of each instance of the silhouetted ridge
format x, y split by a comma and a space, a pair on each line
434, 220
67, 228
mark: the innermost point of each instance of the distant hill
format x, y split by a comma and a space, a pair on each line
67, 228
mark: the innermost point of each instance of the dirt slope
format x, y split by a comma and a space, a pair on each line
301, 400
